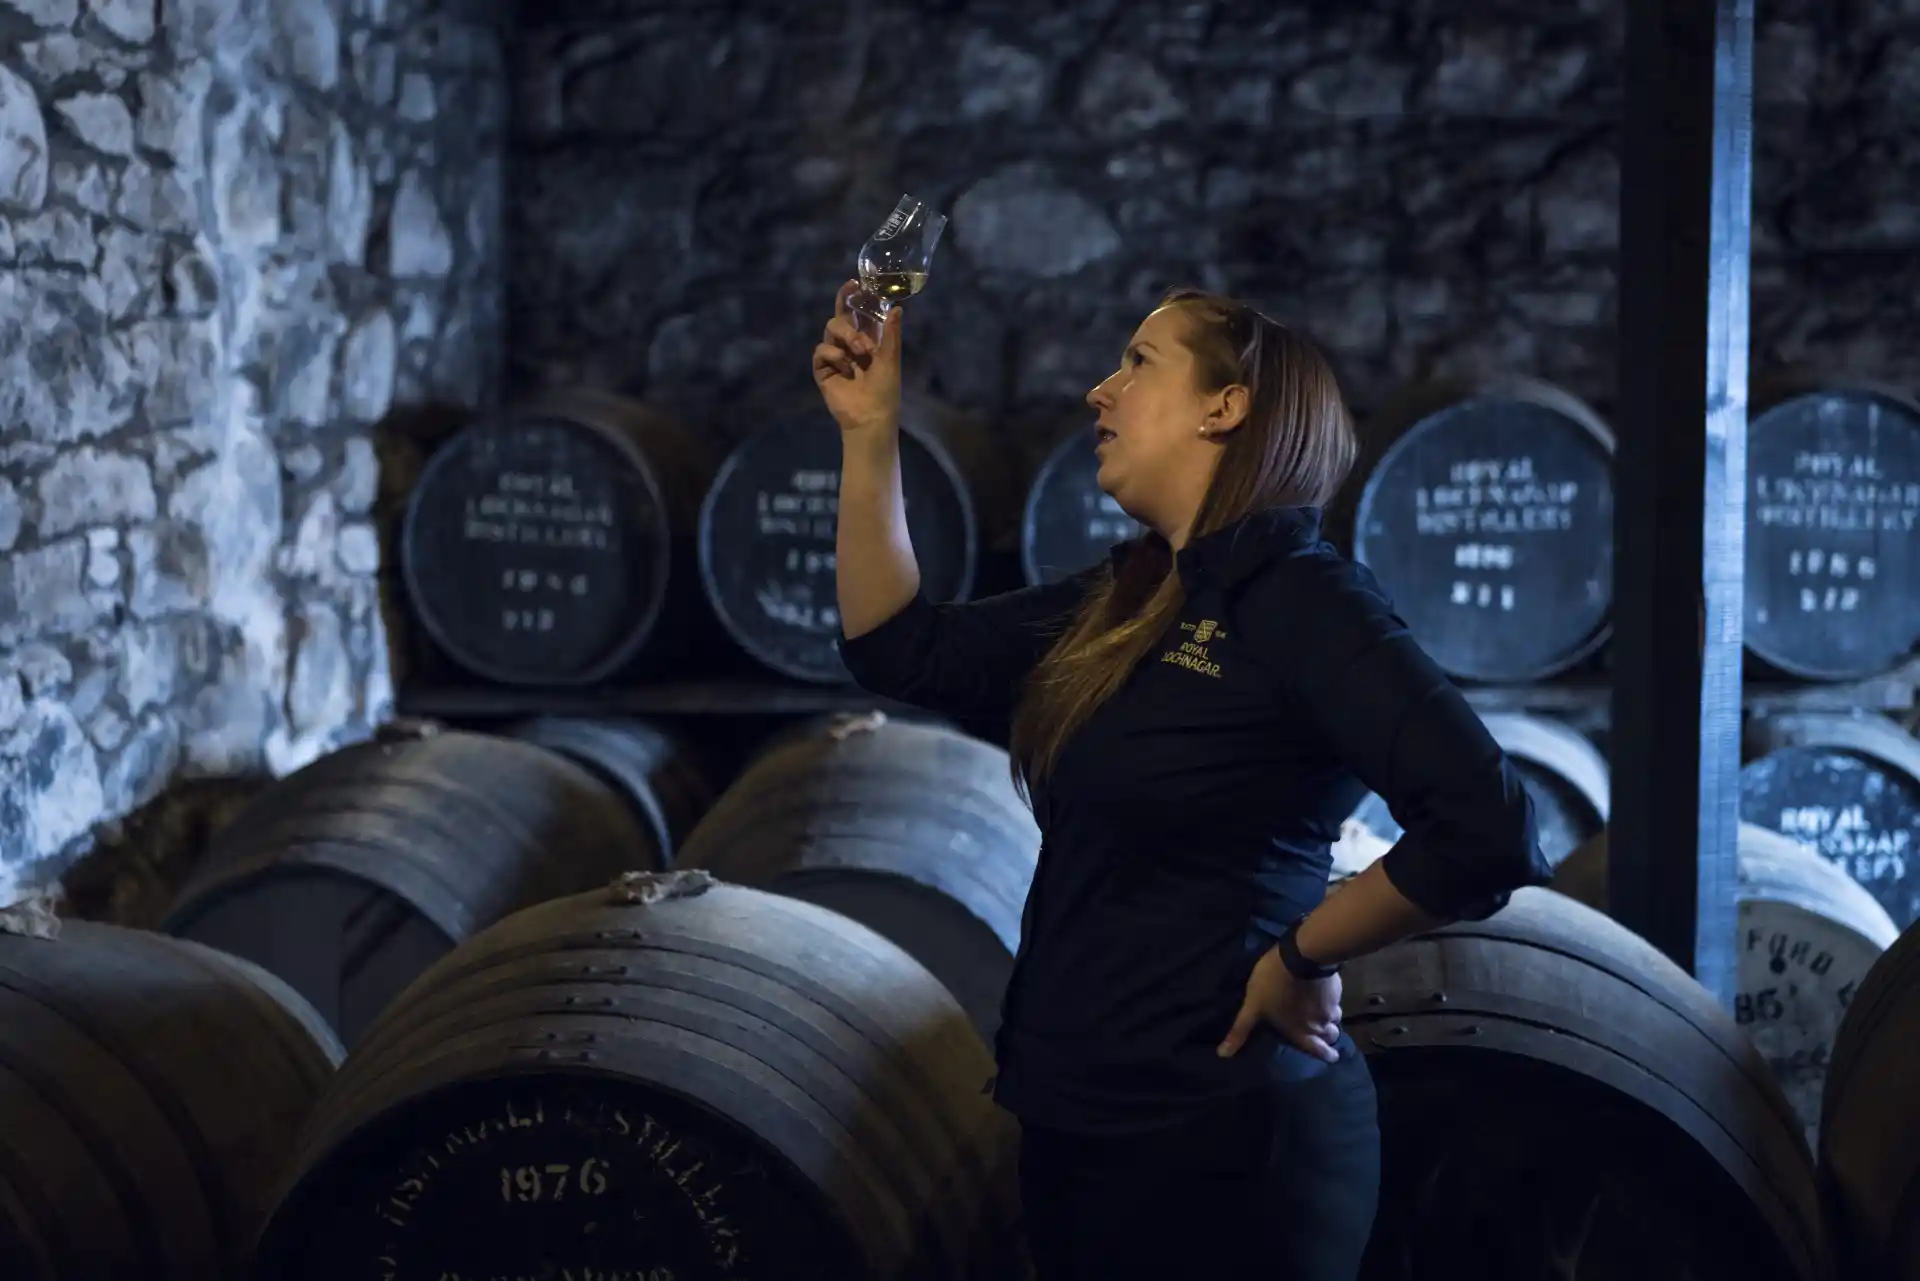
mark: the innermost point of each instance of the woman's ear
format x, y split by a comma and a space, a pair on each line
1229, 410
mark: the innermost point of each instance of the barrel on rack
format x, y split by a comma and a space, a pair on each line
1870, 1145
1068, 523
552, 544
656, 771
1833, 530
1562, 769
350, 876
1557, 1099
767, 529
672, 1077
912, 829
1849, 786
151, 1091
1487, 514
1807, 937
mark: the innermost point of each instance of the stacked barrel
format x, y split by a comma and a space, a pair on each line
581, 538
599, 1020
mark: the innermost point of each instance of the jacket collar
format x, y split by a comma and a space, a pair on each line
1235, 552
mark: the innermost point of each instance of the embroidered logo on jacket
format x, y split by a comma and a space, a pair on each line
1192, 654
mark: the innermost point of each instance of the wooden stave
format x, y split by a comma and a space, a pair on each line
668, 460
590, 925
324, 819
654, 769
114, 995
1382, 434
1773, 870
1561, 932
1870, 1144
813, 805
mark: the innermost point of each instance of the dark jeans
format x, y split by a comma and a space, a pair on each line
1281, 1183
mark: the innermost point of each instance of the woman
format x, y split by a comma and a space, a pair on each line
1190, 721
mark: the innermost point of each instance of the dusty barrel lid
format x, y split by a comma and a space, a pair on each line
768, 527
1847, 785
1069, 524
666, 1077
1833, 532
1487, 515
538, 544
1808, 938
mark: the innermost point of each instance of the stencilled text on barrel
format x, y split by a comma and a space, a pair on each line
806, 512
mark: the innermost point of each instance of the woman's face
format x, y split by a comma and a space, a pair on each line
1154, 460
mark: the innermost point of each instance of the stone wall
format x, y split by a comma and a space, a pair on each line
1429, 188
236, 236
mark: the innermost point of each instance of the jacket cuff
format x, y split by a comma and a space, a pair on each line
1435, 888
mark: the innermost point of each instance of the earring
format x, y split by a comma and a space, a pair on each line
1205, 431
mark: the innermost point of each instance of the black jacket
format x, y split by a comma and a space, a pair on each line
1190, 818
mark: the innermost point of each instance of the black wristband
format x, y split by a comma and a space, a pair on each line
1297, 965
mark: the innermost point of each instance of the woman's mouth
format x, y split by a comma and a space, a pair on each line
1101, 435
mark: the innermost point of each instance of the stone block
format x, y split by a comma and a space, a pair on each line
23, 143
1022, 219
50, 792
418, 242
43, 592
131, 20
100, 120
46, 13
94, 487
367, 365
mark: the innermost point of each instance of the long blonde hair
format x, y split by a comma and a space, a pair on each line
1295, 448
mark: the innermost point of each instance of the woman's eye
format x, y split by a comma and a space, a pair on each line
1136, 359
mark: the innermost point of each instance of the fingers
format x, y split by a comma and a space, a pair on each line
842, 330
831, 358
1321, 1047
880, 336
1243, 1024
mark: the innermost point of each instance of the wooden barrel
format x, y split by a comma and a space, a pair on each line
1562, 769
767, 530
718, 1082
654, 770
912, 829
1870, 1144
151, 1091
1833, 532
548, 544
1487, 514
1557, 1099
1849, 786
349, 877
1068, 522
1807, 938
